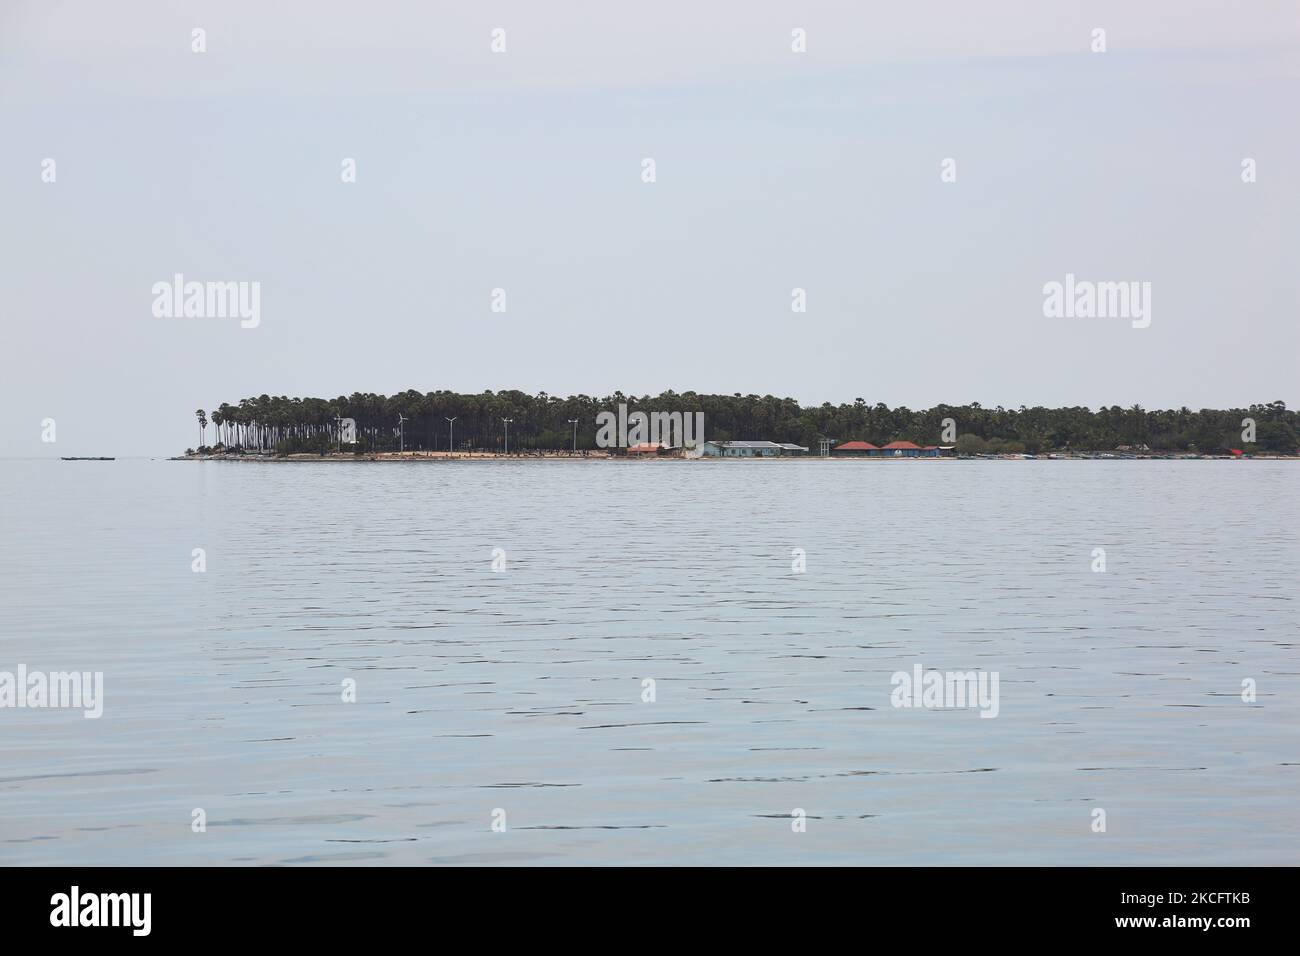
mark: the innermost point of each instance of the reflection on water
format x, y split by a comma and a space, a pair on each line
522, 690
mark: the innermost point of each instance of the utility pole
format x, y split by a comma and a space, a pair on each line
507, 421
451, 426
574, 423
338, 432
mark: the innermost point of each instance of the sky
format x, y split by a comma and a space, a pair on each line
523, 170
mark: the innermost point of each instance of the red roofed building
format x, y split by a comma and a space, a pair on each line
906, 449
855, 449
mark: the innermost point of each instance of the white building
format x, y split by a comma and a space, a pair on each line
750, 449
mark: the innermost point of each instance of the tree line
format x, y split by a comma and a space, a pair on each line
419, 422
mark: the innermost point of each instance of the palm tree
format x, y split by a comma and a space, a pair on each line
543, 420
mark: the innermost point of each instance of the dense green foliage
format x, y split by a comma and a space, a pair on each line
542, 422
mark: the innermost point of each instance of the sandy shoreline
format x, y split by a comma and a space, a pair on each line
442, 456
406, 457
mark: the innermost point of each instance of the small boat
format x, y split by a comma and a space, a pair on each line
83, 458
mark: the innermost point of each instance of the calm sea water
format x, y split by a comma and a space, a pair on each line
522, 690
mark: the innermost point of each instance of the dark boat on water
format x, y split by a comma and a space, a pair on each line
81, 458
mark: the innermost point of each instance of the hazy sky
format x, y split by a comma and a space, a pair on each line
522, 170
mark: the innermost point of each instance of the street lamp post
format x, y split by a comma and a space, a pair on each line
507, 421
451, 425
574, 423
